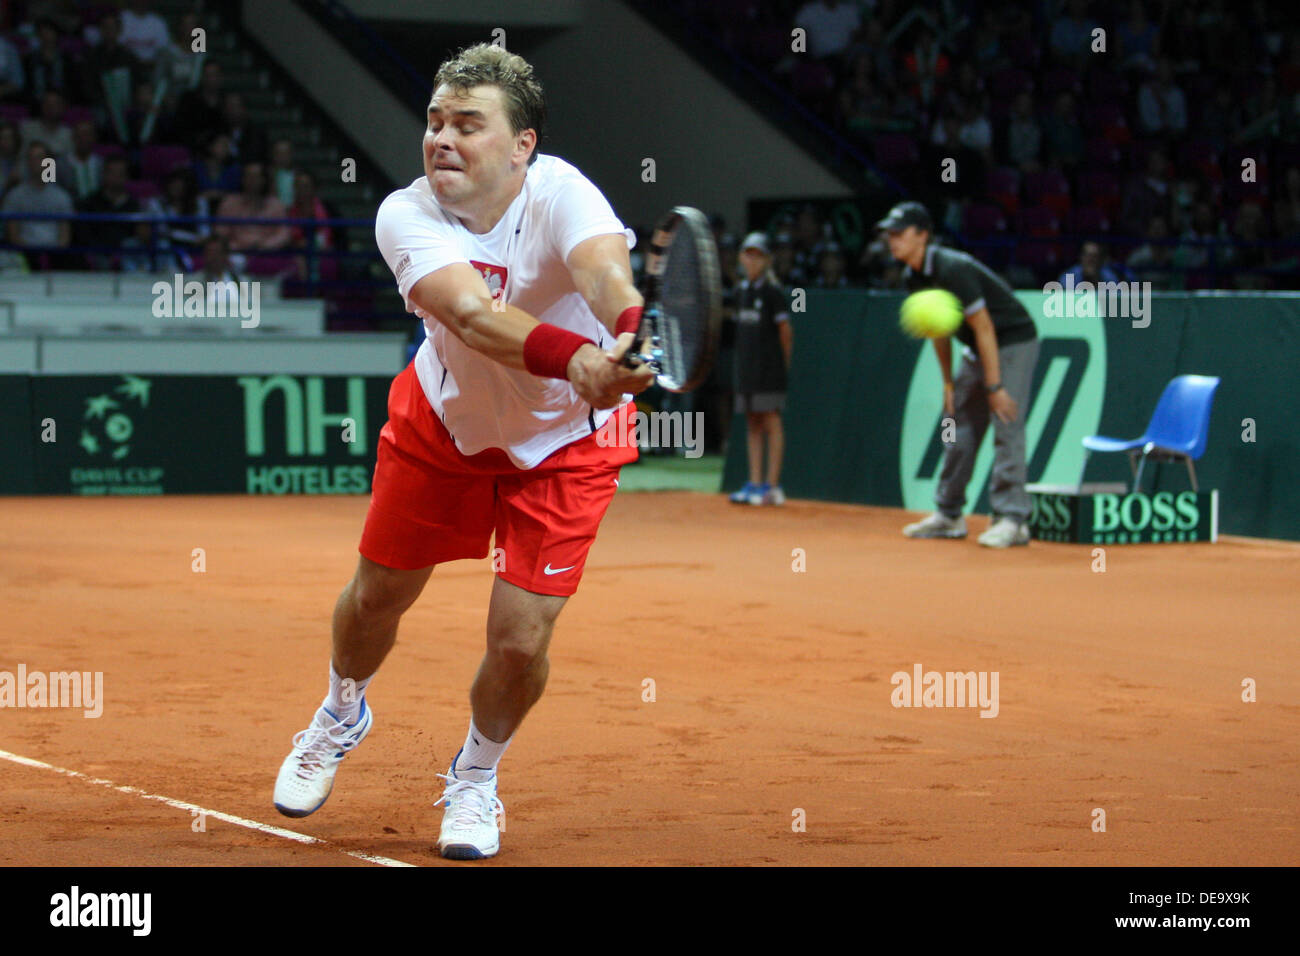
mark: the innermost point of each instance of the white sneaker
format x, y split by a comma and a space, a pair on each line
469, 818
1005, 533
774, 496
937, 525
307, 774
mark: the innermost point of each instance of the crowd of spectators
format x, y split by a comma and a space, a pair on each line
108, 110
1135, 135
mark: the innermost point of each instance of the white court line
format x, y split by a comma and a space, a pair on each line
215, 814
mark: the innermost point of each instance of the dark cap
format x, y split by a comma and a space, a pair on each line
907, 214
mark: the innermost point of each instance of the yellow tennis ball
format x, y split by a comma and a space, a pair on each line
930, 314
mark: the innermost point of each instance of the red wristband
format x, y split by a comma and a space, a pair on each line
548, 348
629, 320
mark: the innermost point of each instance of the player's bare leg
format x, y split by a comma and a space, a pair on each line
509, 681
514, 669
366, 616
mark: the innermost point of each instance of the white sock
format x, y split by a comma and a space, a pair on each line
479, 757
345, 696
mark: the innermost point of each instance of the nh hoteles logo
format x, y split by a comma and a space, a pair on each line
310, 431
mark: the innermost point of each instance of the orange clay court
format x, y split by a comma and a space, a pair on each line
1118, 690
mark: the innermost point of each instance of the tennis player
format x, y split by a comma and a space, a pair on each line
520, 271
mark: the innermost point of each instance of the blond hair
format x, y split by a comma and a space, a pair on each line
491, 65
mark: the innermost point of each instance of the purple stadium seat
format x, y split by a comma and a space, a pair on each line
981, 220
1044, 258
1103, 190
1039, 221
269, 264
1003, 188
1005, 84
108, 149
156, 162
142, 190
768, 46
75, 114
1060, 81
895, 149
1089, 220
813, 79
14, 112
1049, 188
1102, 152
1107, 86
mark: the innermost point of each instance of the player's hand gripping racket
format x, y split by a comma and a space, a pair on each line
682, 317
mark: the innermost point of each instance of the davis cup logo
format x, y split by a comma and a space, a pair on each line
1065, 406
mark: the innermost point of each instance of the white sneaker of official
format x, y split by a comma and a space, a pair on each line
1005, 533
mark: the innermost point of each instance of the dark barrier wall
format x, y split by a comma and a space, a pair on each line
863, 414
156, 434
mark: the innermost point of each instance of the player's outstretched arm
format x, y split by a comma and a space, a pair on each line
602, 274
457, 297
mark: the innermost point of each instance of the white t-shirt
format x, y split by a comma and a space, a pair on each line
483, 403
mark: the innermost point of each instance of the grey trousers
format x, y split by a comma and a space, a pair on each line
1007, 495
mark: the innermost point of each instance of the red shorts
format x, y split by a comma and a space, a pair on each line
430, 503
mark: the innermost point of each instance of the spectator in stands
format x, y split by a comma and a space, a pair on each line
64, 14
179, 68
281, 171
1024, 135
1153, 260
1071, 39
1138, 40
1063, 135
144, 33
146, 122
1200, 237
1248, 229
975, 131
180, 197
1162, 106
872, 52
1146, 197
1182, 41
35, 196
49, 68
217, 174
85, 166
926, 68
109, 72
13, 80
1288, 73
11, 156
1266, 114
1220, 119
783, 261
1092, 266
49, 127
111, 197
986, 48
1286, 207
307, 205
220, 277
830, 25
830, 267
199, 112
247, 142
252, 201
808, 232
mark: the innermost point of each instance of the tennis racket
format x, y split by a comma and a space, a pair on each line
682, 317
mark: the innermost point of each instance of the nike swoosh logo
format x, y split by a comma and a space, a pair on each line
550, 570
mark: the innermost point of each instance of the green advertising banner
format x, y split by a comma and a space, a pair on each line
1132, 518
162, 434
863, 416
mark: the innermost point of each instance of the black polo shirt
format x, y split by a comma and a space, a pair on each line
978, 287
760, 361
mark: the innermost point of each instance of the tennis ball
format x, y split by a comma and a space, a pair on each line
930, 314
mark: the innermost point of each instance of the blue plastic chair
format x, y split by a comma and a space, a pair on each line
1178, 430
